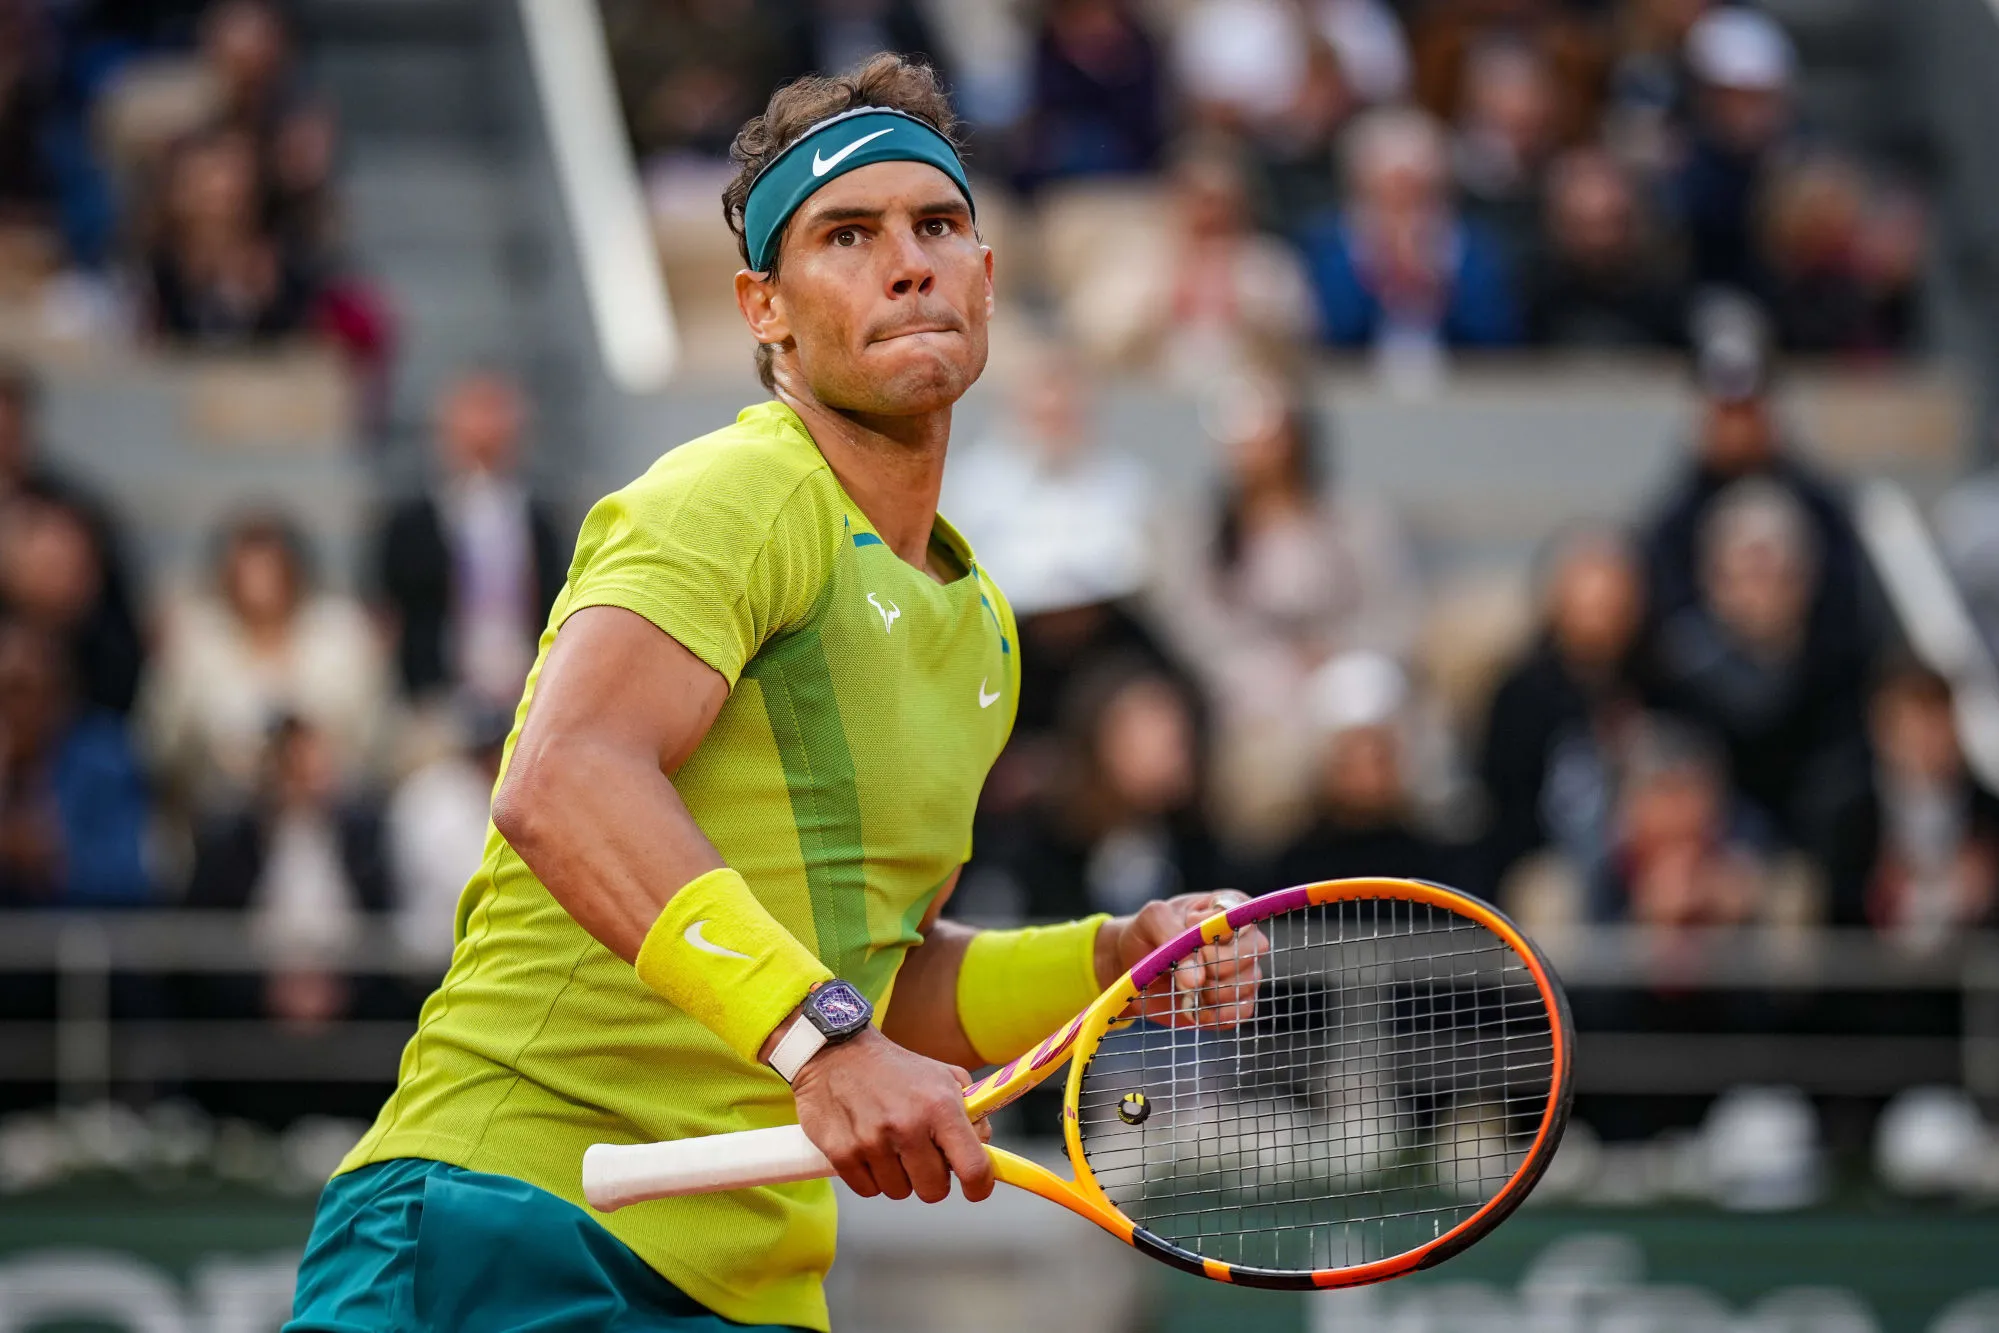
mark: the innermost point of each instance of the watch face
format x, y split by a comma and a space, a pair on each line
840, 1008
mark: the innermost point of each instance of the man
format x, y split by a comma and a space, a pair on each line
470, 569
739, 791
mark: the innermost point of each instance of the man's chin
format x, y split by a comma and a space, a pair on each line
919, 379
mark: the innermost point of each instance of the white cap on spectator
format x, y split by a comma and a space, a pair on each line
1741, 48
1356, 689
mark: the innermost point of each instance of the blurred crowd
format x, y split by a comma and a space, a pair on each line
167, 173
263, 743
1712, 722
1218, 179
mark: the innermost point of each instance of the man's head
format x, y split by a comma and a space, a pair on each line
1759, 566
1357, 701
1592, 210
1595, 598
245, 45
1745, 64
479, 424
872, 291
1398, 164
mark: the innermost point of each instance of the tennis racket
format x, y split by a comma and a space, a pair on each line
1389, 1094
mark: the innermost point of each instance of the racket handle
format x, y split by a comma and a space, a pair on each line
615, 1174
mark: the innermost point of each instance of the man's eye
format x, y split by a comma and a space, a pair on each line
846, 236
936, 227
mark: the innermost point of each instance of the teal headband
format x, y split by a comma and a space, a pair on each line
835, 146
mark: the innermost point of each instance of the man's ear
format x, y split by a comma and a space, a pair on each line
763, 309
989, 279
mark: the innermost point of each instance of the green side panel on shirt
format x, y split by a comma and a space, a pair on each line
826, 807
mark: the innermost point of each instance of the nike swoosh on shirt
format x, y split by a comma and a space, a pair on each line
693, 937
987, 700
822, 165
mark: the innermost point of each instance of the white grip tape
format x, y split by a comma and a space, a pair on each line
615, 1174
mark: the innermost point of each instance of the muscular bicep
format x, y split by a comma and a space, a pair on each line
586, 801
614, 677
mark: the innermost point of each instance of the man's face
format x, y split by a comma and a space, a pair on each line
1737, 435
883, 295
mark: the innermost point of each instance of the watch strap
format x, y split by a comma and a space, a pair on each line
800, 1043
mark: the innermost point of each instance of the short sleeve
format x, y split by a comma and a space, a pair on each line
722, 551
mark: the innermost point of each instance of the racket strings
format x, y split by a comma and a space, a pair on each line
1391, 1080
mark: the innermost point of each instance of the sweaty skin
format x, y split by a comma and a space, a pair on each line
878, 320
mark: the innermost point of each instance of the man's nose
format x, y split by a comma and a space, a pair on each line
910, 267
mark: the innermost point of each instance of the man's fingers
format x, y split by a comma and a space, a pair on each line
964, 1148
888, 1173
929, 1174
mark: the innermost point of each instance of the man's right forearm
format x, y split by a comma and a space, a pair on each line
604, 829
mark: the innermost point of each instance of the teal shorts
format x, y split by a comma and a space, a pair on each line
412, 1246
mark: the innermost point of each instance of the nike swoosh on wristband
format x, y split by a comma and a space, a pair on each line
822, 165
987, 700
693, 937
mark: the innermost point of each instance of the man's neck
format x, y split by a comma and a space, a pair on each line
892, 467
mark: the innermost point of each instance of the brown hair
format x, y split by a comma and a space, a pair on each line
895, 82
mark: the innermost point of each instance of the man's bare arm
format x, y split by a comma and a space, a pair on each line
923, 1012
586, 800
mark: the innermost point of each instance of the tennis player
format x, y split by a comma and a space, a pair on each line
739, 790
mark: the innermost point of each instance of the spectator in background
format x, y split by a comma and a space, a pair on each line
1842, 267
1209, 295
1938, 871
1291, 163
218, 277
1739, 438
437, 826
1291, 573
261, 646
247, 52
1685, 856
1398, 269
1062, 523
61, 555
1651, 88
1744, 65
1096, 101
691, 71
1505, 138
1599, 279
468, 570
1364, 820
1122, 824
1562, 718
1240, 64
73, 804
304, 860
1568, 36
1742, 664
833, 36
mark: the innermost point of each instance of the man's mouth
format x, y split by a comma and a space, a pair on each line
916, 331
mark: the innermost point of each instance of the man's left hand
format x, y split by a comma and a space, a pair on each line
1215, 987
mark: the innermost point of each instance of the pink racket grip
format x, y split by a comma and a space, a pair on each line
616, 1174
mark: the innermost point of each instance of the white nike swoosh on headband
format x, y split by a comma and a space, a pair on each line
822, 165
693, 937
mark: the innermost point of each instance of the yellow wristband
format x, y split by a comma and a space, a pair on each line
1017, 986
723, 958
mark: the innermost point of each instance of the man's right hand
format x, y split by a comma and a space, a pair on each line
891, 1121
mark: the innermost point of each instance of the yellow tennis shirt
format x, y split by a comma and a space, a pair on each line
866, 703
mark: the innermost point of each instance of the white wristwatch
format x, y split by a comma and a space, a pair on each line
833, 1012
799, 1044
